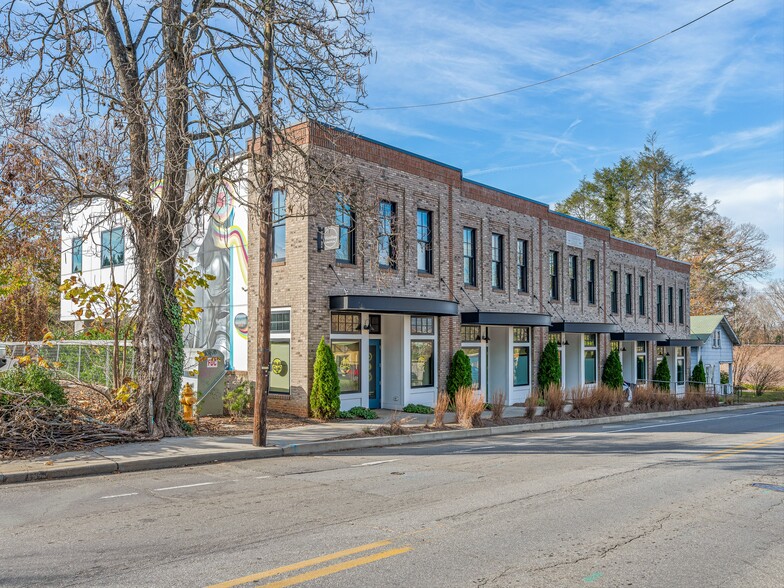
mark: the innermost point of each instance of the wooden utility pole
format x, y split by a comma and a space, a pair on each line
264, 170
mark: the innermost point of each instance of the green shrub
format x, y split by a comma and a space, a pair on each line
459, 375
418, 409
661, 377
698, 375
357, 412
612, 374
33, 379
549, 368
237, 401
325, 394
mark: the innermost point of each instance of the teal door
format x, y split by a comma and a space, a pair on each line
374, 374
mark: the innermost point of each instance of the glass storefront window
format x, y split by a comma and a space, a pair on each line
521, 365
642, 370
347, 360
421, 364
279, 378
680, 368
590, 366
345, 322
589, 340
474, 356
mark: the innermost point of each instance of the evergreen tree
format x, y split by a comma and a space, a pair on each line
612, 374
661, 376
459, 375
549, 367
325, 395
698, 375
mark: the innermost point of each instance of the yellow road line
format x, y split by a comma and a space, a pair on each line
339, 567
742, 448
297, 566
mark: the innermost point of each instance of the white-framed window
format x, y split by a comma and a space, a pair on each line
717, 339
641, 361
280, 351
76, 255
521, 356
589, 357
680, 365
423, 351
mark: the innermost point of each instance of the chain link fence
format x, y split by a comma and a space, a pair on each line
88, 361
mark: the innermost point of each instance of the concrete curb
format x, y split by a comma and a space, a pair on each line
115, 464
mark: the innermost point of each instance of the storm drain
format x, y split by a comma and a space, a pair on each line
769, 487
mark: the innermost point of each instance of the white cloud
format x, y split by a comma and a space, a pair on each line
742, 139
756, 199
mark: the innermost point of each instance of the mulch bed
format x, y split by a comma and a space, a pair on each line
213, 426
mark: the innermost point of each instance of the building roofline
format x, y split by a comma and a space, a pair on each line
500, 190
587, 222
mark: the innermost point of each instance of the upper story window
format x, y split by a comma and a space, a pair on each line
628, 293
717, 339
424, 241
573, 273
112, 247
522, 265
641, 293
680, 306
670, 304
469, 256
344, 218
614, 291
497, 261
278, 225
591, 281
554, 293
76, 255
387, 219
659, 303
280, 321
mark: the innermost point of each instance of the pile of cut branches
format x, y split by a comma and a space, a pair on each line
32, 425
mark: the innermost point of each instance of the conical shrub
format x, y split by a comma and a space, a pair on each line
612, 373
325, 394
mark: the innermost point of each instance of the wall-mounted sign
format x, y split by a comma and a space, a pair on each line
331, 237
575, 240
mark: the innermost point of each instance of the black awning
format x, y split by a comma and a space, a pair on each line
393, 304
506, 319
627, 336
567, 327
678, 342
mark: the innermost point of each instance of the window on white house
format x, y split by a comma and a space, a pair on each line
717, 339
112, 247
76, 255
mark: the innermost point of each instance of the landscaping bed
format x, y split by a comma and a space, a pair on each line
215, 426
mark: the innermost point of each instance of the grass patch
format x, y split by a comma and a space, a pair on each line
768, 396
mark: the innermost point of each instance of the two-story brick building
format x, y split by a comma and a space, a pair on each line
448, 263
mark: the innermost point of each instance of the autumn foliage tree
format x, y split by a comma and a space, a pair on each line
29, 243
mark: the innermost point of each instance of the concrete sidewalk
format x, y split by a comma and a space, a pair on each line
189, 451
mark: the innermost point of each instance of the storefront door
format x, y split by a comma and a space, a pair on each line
374, 373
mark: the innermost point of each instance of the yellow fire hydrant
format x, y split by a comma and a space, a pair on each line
187, 400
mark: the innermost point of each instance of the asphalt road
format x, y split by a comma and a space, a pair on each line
668, 502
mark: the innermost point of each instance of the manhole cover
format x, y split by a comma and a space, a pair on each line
769, 487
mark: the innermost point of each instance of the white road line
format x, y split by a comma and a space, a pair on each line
120, 495
262, 477
676, 423
370, 463
184, 486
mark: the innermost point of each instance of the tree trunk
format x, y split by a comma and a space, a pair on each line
155, 411
264, 252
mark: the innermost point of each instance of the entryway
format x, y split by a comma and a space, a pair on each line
374, 373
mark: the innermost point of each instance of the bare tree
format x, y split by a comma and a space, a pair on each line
763, 375
742, 359
178, 91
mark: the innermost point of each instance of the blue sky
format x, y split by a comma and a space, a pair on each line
714, 92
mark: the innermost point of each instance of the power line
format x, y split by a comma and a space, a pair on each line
558, 77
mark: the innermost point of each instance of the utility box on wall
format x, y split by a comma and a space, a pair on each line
211, 383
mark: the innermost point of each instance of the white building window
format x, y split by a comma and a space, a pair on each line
521, 356
717, 339
423, 347
589, 357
